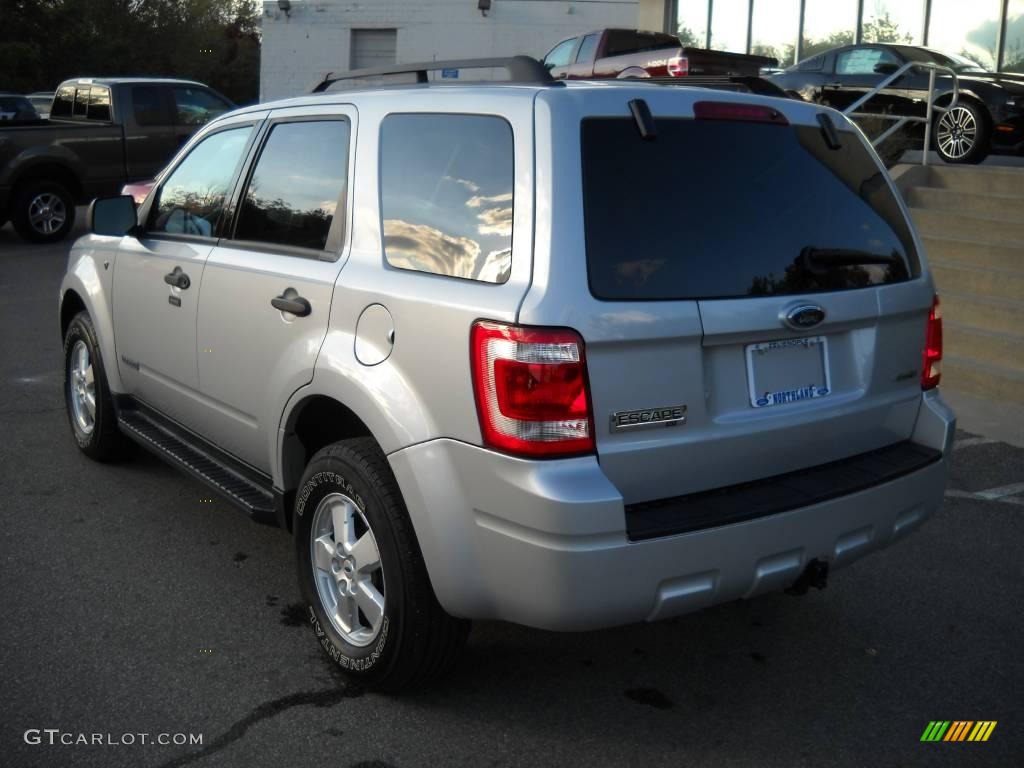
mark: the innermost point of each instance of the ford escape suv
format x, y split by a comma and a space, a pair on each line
569, 355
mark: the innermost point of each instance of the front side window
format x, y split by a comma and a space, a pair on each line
192, 198
862, 61
587, 48
559, 55
294, 191
446, 195
196, 106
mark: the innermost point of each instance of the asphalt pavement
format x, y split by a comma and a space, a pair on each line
133, 605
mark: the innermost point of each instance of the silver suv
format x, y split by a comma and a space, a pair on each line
569, 355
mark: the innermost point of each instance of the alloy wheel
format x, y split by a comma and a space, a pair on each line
957, 132
82, 385
347, 569
47, 213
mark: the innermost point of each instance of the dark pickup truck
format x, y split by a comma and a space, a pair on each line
102, 133
634, 53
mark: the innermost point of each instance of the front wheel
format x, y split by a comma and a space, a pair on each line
362, 575
43, 211
962, 134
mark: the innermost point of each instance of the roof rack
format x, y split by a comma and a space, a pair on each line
521, 69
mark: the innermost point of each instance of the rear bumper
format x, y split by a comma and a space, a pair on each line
544, 543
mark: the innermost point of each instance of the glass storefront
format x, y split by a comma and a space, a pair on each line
971, 28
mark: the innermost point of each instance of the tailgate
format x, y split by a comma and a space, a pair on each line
762, 302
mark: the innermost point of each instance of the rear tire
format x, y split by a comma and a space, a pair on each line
962, 134
361, 573
43, 211
87, 397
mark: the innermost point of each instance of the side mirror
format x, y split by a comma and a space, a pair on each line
886, 67
115, 216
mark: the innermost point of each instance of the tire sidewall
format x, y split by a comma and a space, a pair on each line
20, 211
81, 329
333, 474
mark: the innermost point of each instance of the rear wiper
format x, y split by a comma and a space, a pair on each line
821, 259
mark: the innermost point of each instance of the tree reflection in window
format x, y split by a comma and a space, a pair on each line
192, 198
293, 194
446, 195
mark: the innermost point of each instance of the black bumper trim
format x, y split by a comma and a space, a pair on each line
772, 495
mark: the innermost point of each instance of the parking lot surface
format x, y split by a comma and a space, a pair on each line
134, 604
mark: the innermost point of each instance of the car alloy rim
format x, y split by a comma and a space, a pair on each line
957, 131
347, 570
82, 385
47, 213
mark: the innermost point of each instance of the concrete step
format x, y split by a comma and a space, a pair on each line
977, 253
982, 181
983, 312
973, 377
1004, 350
983, 281
1005, 207
969, 227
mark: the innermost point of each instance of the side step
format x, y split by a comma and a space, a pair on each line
244, 487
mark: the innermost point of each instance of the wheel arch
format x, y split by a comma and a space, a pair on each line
87, 288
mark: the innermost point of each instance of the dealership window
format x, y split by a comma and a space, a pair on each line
692, 22
828, 24
774, 29
1013, 47
446, 188
969, 29
729, 25
893, 21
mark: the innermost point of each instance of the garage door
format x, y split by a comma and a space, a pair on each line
373, 47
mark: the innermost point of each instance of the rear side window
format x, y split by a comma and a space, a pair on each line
587, 48
62, 101
723, 209
294, 192
192, 198
446, 195
623, 41
148, 106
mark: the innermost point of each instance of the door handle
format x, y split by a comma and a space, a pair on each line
178, 279
296, 305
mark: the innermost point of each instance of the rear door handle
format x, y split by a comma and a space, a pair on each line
178, 279
296, 305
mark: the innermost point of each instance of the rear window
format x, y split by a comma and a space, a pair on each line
62, 101
714, 209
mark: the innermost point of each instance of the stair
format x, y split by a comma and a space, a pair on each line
241, 486
971, 221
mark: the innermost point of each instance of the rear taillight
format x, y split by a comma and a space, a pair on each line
749, 113
678, 66
931, 372
531, 390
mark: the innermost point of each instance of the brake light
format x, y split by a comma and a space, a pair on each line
750, 113
931, 372
678, 66
531, 389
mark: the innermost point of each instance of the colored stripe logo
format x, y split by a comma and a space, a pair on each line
958, 730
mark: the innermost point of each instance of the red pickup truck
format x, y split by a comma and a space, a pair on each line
620, 53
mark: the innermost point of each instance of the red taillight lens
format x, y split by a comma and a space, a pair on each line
750, 113
678, 66
531, 390
932, 370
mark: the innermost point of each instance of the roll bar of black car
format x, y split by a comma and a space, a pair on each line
521, 69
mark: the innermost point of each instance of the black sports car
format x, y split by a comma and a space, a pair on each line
988, 117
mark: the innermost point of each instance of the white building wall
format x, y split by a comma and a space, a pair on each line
313, 39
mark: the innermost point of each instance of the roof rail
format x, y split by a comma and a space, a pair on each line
521, 69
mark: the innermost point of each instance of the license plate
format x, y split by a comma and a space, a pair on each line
787, 371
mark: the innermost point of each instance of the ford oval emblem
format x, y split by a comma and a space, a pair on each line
804, 316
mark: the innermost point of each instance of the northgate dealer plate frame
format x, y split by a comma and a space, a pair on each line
810, 391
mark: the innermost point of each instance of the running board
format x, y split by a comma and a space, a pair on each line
244, 487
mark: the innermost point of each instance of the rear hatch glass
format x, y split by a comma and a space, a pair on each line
713, 209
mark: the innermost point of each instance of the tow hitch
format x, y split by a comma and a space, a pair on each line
814, 575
